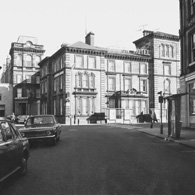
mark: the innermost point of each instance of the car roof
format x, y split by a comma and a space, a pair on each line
42, 115
4, 119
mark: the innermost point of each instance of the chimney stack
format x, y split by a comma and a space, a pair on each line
89, 39
147, 32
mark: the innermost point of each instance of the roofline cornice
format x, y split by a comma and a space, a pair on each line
27, 50
159, 36
127, 57
85, 51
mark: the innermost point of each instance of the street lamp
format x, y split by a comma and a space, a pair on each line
160, 98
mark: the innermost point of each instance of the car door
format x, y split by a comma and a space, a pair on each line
12, 148
4, 166
18, 145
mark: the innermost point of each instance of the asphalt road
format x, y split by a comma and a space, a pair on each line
106, 160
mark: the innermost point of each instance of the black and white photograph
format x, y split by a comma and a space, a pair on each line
97, 97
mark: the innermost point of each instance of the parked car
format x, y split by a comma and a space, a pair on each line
21, 118
14, 150
42, 127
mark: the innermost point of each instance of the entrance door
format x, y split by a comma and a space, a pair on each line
23, 108
2, 110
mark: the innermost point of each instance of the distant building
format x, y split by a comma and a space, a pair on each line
164, 66
6, 74
187, 79
25, 54
6, 99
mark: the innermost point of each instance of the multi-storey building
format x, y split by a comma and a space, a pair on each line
164, 66
81, 79
5, 77
6, 97
25, 54
187, 79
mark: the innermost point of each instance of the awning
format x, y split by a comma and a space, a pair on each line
174, 96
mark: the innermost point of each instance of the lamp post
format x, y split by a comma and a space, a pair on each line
161, 101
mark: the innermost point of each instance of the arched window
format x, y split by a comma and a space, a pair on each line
92, 81
167, 50
163, 50
85, 81
171, 51
79, 80
167, 86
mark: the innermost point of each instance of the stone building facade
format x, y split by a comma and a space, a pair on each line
25, 54
187, 79
82, 79
6, 99
164, 67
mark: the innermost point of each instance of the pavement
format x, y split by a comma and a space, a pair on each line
187, 135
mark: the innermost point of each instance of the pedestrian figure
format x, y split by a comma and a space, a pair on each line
13, 117
153, 118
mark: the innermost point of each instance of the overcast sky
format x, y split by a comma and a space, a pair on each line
115, 23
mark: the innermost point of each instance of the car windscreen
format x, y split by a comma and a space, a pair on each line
39, 120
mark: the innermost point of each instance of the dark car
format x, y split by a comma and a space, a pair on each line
21, 119
41, 127
14, 150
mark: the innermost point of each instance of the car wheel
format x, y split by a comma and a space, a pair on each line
23, 168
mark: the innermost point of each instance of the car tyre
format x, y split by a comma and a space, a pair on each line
23, 168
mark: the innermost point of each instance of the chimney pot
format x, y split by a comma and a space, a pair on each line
89, 39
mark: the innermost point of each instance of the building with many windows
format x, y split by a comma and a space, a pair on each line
187, 79
25, 54
6, 97
81, 79
164, 67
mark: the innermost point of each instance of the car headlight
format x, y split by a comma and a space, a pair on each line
22, 134
48, 132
